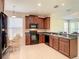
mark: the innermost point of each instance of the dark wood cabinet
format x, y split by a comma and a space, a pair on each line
27, 39
41, 38
43, 23
47, 23
68, 47
64, 46
27, 22
50, 41
55, 42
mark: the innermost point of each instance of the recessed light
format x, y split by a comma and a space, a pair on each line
13, 16
63, 4
39, 4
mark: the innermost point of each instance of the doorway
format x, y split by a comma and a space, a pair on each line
15, 29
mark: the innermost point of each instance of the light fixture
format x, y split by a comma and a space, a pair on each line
13, 15
39, 4
62, 4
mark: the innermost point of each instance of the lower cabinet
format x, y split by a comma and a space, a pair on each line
50, 41
27, 39
41, 38
66, 46
55, 42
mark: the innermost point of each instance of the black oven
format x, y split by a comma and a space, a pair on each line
34, 37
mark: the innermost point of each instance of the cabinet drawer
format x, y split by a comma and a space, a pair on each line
55, 47
51, 42
41, 38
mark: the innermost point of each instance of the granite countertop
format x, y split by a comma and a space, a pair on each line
63, 36
67, 36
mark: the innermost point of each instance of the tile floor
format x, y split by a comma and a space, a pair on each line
39, 51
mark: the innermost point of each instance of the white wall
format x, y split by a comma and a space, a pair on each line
56, 24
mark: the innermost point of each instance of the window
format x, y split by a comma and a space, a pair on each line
71, 26
66, 26
15, 27
78, 27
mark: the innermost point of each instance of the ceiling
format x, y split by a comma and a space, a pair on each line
47, 7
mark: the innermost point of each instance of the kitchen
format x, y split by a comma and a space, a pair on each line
57, 31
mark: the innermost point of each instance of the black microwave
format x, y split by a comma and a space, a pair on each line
33, 26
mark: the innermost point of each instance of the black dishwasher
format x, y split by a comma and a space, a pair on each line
47, 39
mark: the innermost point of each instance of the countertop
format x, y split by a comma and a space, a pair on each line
67, 36
63, 36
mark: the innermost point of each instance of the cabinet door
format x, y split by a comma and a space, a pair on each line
47, 23
55, 42
27, 22
40, 23
61, 46
31, 19
36, 20
64, 46
27, 39
41, 38
51, 41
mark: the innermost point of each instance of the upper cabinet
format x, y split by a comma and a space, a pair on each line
47, 23
41, 23
1, 5
33, 21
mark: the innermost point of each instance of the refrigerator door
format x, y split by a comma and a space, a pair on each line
0, 36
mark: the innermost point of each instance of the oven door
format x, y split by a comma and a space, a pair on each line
34, 37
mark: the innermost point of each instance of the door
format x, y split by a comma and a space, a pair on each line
15, 30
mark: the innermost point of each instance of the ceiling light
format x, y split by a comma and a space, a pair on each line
63, 4
39, 4
13, 16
